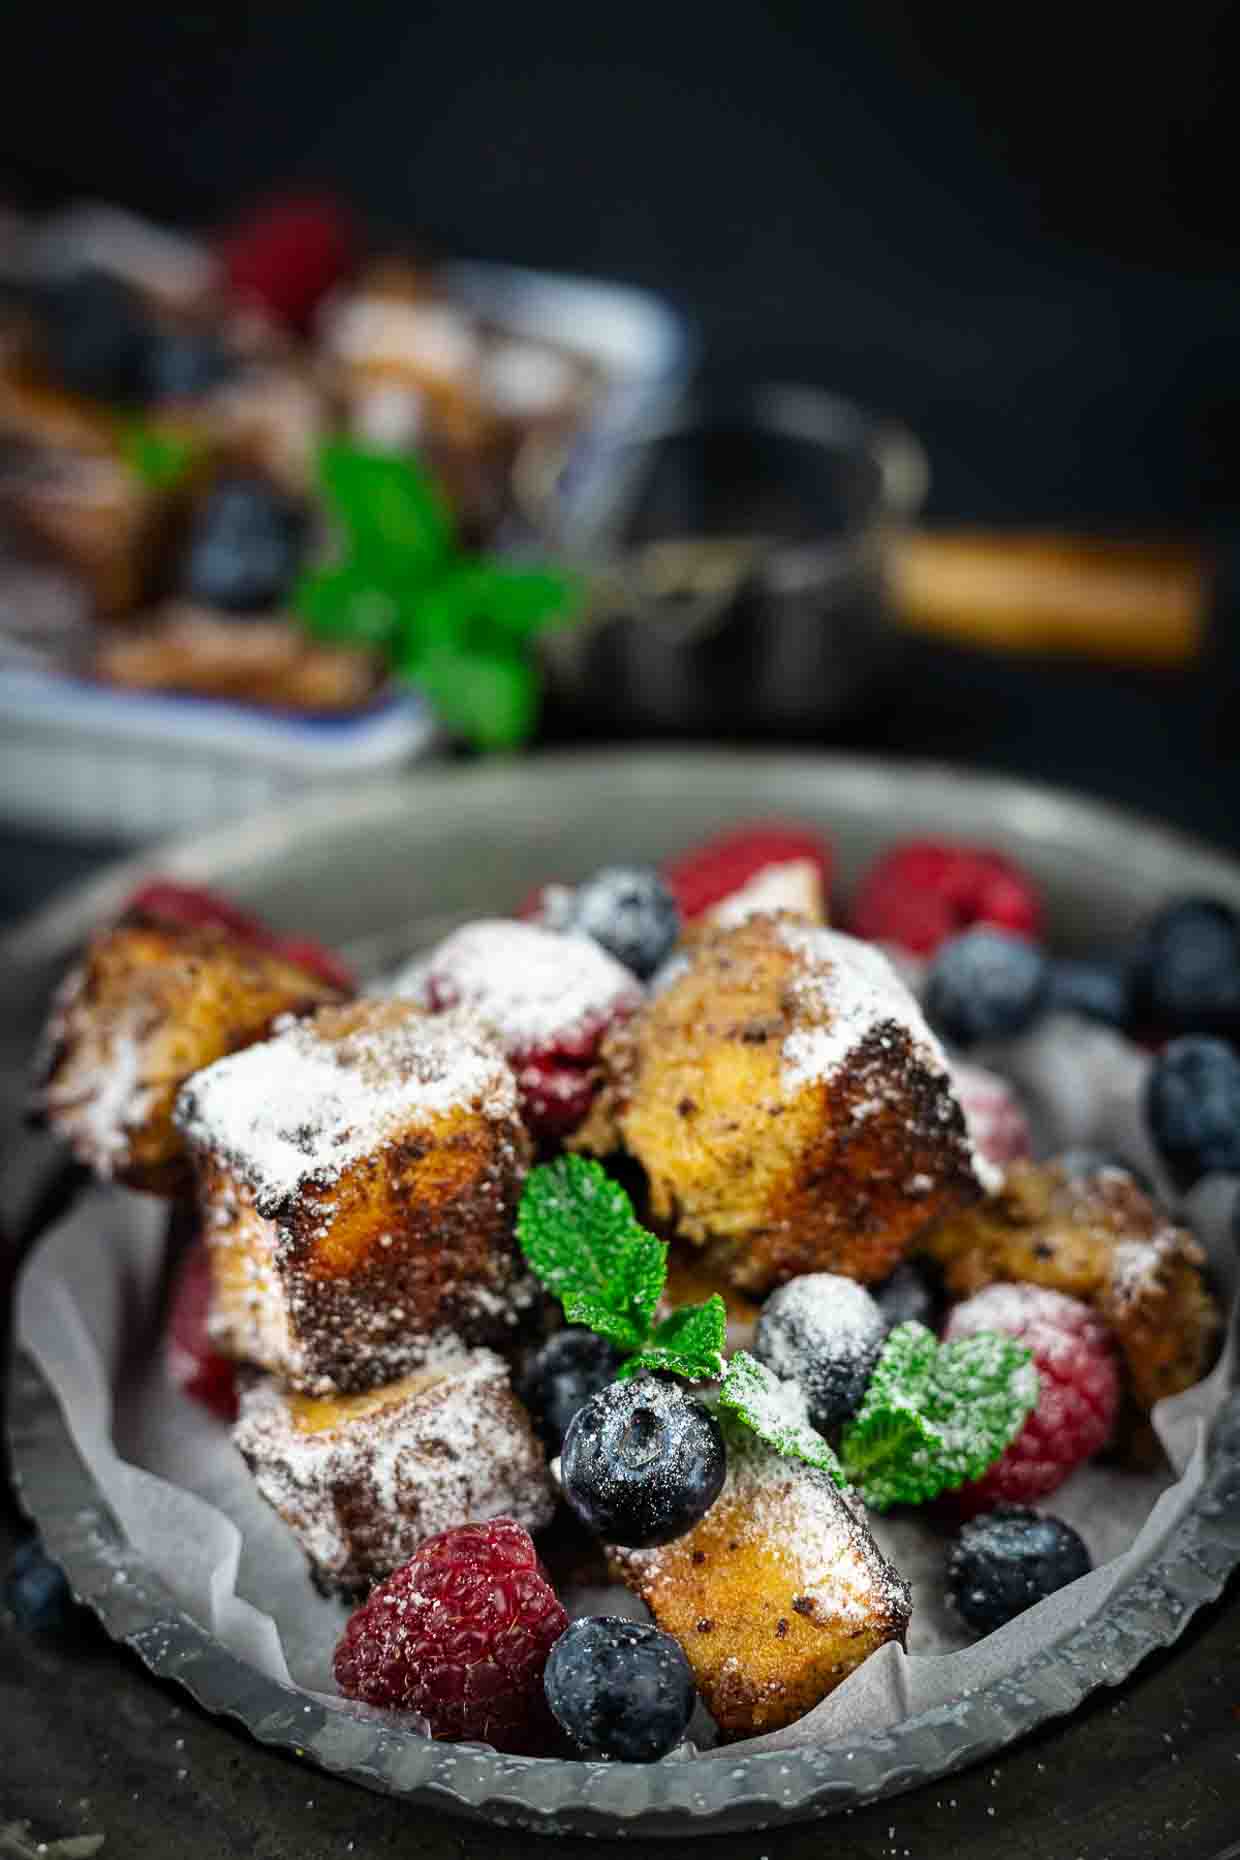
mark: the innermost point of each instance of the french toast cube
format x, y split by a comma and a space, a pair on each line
67, 488
775, 1596
149, 1004
791, 1109
1102, 1240
361, 1480
359, 1175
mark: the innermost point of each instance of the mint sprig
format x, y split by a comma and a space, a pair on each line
776, 1411
688, 1343
461, 627
580, 1236
936, 1415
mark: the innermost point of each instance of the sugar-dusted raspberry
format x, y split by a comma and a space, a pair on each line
194, 1363
922, 892
1078, 1394
706, 875
166, 901
549, 999
460, 1634
994, 1114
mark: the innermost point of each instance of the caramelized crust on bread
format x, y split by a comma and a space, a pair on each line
67, 488
1101, 1240
148, 1005
359, 1177
775, 1596
362, 1480
791, 1109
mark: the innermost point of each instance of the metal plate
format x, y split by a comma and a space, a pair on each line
377, 870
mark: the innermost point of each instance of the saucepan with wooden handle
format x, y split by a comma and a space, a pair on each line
753, 563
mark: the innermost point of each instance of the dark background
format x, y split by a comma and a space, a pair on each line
1014, 228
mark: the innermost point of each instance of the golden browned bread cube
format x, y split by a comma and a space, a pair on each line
790, 1107
362, 1480
775, 1596
266, 661
149, 1004
359, 1177
1102, 1240
66, 487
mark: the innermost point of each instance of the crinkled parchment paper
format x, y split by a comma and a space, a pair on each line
89, 1313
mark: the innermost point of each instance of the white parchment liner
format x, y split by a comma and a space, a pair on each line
89, 1313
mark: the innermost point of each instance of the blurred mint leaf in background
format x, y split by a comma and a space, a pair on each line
461, 627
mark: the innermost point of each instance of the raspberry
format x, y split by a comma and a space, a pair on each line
703, 877
194, 1364
996, 1120
549, 905
920, 893
1078, 1394
549, 999
460, 1634
289, 253
167, 902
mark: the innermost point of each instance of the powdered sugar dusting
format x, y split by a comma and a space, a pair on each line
793, 885
1043, 1319
809, 1526
535, 988
1138, 1264
444, 1447
817, 1315
847, 995
848, 990
97, 1093
327, 1091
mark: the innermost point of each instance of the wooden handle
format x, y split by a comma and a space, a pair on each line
1126, 602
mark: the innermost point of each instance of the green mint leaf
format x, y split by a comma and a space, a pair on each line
580, 1236
688, 1343
596, 1314
936, 1415
161, 459
697, 1332
490, 699
776, 1412
393, 513
479, 605
346, 602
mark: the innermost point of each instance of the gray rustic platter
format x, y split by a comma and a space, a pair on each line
385, 869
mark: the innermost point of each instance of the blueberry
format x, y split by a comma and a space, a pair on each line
620, 1688
1084, 1165
561, 1376
1094, 987
244, 547
1191, 969
1192, 1105
642, 1462
97, 336
631, 912
985, 985
825, 1334
36, 1590
1004, 1562
907, 1297
184, 362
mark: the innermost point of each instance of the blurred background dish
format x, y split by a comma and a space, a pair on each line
737, 554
